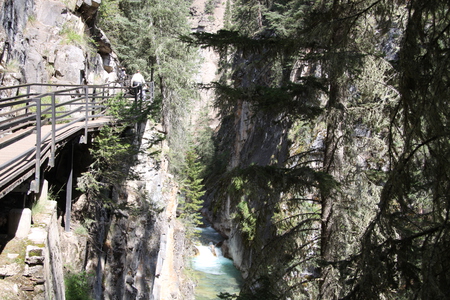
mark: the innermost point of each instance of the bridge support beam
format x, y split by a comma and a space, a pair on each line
69, 187
19, 223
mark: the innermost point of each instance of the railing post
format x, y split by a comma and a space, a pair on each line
94, 93
28, 96
103, 97
52, 157
86, 96
37, 176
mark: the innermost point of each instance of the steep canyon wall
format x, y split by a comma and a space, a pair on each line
246, 138
49, 42
134, 248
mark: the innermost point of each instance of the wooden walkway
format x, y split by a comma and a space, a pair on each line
18, 160
26, 142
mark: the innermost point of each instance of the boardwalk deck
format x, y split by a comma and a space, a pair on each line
23, 112
18, 160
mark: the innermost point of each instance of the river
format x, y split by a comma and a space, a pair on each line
214, 273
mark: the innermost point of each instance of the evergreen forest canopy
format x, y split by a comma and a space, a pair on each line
360, 209
146, 38
145, 35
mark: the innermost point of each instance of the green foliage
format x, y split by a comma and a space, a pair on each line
73, 36
192, 189
272, 178
259, 187
146, 37
77, 286
209, 7
224, 40
38, 207
113, 150
227, 15
247, 220
109, 11
262, 290
113, 153
45, 107
81, 230
371, 204
88, 182
299, 99
301, 60
203, 142
402, 252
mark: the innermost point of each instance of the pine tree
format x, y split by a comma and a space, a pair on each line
192, 189
404, 252
299, 62
145, 35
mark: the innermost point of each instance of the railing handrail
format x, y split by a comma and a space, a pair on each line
86, 103
62, 84
29, 99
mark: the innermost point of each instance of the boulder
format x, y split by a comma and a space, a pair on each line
69, 64
34, 255
34, 68
51, 13
9, 270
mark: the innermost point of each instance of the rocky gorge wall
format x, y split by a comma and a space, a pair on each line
134, 249
242, 138
49, 42
245, 138
137, 246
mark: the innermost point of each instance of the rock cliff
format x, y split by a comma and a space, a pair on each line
137, 247
245, 139
50, 42
134, 250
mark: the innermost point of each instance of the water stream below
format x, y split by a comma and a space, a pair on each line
214, 272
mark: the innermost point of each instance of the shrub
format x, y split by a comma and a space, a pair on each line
77, 286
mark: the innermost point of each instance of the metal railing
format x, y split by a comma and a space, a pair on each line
24, 111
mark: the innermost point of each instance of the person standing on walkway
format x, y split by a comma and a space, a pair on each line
138, 82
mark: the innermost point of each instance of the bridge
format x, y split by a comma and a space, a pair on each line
37, 119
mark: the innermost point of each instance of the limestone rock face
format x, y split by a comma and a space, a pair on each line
14, 17
69, 63
88, 9
50, 13
42, 41
241, 136
34, 68
138, 249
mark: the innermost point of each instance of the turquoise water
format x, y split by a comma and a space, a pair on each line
214, 272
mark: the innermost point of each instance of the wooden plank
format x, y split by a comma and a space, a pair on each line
14, 173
